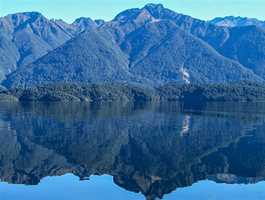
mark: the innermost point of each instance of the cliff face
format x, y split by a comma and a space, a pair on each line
146, 148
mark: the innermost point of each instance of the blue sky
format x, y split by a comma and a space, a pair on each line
106, 9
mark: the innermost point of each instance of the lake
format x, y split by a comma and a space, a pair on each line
135, 151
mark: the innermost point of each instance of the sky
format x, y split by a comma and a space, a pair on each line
69, 10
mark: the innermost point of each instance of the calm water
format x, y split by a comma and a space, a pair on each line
132, 152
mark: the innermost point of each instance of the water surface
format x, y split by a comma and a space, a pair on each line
132, 151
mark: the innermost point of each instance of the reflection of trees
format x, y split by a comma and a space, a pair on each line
141, 146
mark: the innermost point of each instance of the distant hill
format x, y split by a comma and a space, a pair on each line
231, 21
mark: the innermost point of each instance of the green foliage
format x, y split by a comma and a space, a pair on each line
241, 91
87, 93
188, 93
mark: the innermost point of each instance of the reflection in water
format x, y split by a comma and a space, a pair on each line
185, 125
148, 149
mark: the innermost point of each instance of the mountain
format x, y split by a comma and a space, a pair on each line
244, 42
179, 56
247, 46
231, 21
25, 37
130, 20
92, 57
84, 23
223, 39
152, 45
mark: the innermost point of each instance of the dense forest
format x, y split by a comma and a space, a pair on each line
189, 93
240, 91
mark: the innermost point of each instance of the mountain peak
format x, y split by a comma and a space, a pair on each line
84, 23
16, 21
32, 14
20, 18
148, 12
153, 6
83, 19
25, 15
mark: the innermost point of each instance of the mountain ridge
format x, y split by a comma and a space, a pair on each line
133, 34
233, 21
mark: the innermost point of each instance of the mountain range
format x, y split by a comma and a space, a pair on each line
149, 46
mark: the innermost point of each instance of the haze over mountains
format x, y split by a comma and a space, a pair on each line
148, 46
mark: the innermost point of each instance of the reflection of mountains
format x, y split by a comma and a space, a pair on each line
148, 149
